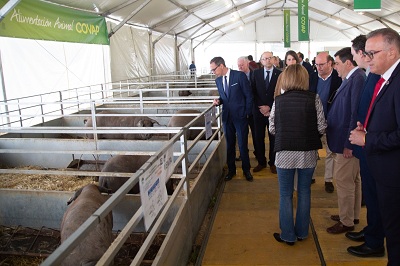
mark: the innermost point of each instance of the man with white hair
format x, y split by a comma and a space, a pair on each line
243, 65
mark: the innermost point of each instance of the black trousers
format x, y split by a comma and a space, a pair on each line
373, 232
389, 199
261, 124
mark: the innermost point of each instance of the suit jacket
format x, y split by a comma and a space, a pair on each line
342, 116
366, 96
262, 95
336, 81
383, 137
363, 105
240, 101
309, 67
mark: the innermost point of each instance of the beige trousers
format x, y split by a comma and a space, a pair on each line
346, 172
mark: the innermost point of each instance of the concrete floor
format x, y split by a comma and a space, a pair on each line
248, 216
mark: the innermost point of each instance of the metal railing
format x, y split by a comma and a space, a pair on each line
38, 109
70, 103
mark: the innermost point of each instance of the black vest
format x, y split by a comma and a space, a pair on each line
296, 127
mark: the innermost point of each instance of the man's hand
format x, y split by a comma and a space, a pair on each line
357, 135
216, 102
347, 153
264, 109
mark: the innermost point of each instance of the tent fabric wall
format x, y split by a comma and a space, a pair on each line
129, 53
34, 66
164, 54
131, 49
185, 57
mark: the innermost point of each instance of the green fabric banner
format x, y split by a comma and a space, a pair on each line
286, 28
302, 14
33, 19
367, 5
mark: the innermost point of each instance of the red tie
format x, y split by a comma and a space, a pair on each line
376, 90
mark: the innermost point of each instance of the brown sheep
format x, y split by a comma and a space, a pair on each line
122, 164
121, 121
181, 121
83, 204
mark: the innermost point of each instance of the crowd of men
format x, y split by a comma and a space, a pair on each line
359, 87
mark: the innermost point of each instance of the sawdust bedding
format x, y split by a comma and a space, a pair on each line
43, 181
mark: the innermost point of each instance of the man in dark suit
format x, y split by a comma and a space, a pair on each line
380, 133
237, 100
372, 235
243, 65
305, 64
264, 83
341, 119
325, 83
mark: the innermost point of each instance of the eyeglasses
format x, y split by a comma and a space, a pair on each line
266, 58
321, 65
213, 70
371, 54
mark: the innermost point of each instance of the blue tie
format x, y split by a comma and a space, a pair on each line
267, 80
226, 87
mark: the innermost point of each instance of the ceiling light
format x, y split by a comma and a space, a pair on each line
241, 28
338, 21
95, 8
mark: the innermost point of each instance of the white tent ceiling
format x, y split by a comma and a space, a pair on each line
222, 20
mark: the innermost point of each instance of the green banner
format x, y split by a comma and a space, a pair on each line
286, 28
367, 5
303, 20
33, 19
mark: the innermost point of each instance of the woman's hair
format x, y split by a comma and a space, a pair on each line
293, 54
294, 77
278, 86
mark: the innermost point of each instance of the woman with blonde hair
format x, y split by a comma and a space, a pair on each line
297, 120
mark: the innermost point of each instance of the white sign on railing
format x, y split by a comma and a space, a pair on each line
153, 192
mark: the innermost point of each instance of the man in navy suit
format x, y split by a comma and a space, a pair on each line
325, 83
237, 100
372, 235
380, 133
263, 92
243, 65
341, 119
305, 64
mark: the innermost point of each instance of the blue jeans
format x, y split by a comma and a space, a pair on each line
291, 231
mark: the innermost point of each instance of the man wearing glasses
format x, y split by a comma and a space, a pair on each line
264, 83
237, 100
341, 119
325, 83
380, 132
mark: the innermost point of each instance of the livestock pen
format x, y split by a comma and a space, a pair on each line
58, 140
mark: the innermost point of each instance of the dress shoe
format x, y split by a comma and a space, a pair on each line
273, 169
229, 176
356, 236
238, 158
329, 187
339, 228
312, 181
337, 219
279, 239
364, 251
248, 176
258, 168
